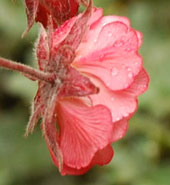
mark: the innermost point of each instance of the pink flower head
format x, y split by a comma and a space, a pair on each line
99, 75
59, 10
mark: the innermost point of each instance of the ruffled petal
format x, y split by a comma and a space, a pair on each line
102, 157
117, 34
83, 131
140, 84
119, 129
120, 103
113, 58
66, 170
117, 71
97, 23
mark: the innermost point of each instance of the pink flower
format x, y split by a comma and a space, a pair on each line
99, 75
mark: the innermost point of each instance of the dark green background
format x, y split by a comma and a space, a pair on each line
142, 157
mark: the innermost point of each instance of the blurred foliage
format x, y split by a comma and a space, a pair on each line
141, 158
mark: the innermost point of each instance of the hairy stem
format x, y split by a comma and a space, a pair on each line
27, 70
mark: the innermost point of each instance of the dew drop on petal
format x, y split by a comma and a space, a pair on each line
123, 66
112, 114
110, 34
130, 75
129, 69
136, 63
118, 118
114, 71
126, 85
128, 49
119, 43
108, 83
95, 40
101, 57
124, 38
104, 23
112, 98
125, 114
144, 86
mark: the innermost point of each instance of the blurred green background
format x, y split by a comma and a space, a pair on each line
142, 157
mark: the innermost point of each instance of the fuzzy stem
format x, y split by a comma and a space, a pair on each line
27, 70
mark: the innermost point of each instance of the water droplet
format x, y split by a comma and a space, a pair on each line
128, 49
112, 98
101, 57
108, 83
119, 43
118, 118
114, 71
112, 114
129, 69
110, 34
124, 38
123, 66
104, 23
125, 114
130, 75
95, 40
124, 111
126, 85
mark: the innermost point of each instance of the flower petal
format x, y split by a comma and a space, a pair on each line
140, 84
117, 34
66, 170
97, 23
120, 103
113, 58
116, 71
102, 157
83, 131
119, 129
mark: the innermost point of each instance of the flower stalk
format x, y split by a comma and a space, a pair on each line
28, 71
